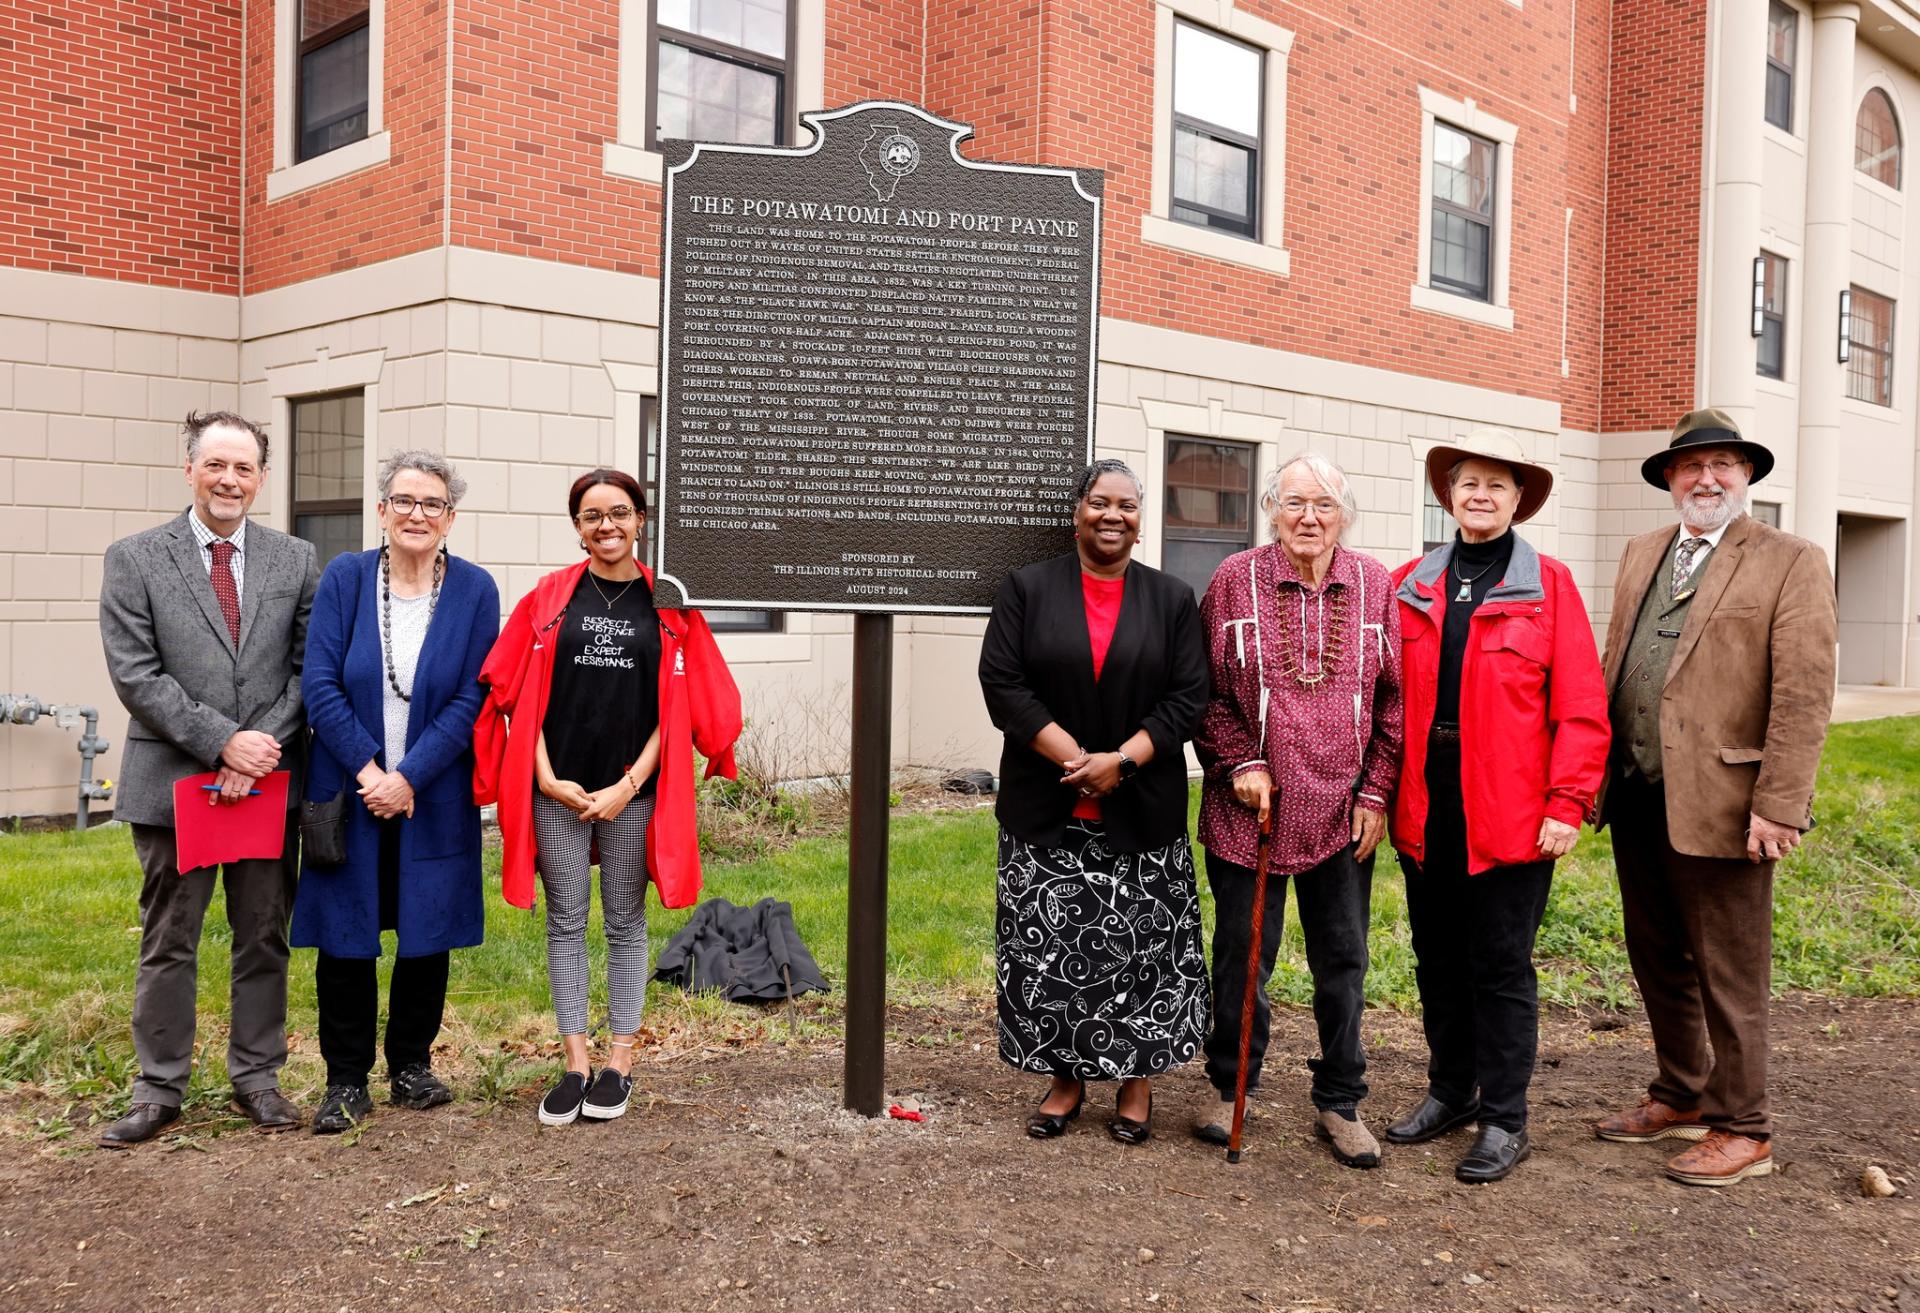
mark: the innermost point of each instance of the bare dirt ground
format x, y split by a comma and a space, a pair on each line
737, 1183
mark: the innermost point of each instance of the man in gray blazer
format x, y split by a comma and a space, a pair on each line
204, 619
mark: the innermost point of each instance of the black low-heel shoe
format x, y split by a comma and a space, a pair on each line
1494, 1156
1431, 1120
1047, 1125
1127, 1130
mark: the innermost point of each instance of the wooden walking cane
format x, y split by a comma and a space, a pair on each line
1264, 855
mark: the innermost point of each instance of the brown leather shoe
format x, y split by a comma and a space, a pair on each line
142, 1122
268, 1109
1721, 1159
1651, 1120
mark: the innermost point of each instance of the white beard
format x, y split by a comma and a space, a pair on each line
1709, 516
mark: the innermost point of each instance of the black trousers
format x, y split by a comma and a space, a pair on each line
348, 990
1334, 898
1473, 939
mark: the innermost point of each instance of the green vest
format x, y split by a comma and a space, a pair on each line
1636, 702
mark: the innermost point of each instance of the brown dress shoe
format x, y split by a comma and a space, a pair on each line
268, 1109
1721, 1159
142, 1122
1651, 1120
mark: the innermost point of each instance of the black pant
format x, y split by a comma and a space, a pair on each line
1473, 939
1333, 898
348, 990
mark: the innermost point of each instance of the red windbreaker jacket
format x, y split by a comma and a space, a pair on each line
699, 708
1533, 707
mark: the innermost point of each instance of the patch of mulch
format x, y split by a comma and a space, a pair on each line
738, 1183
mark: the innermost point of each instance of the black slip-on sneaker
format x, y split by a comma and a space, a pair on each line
562, 1104
609, 1097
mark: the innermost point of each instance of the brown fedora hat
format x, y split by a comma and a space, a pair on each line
1711, 427
1502, 447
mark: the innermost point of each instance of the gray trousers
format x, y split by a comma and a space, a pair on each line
172, 909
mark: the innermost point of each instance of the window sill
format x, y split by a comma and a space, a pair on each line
1870, 410
1463, 307
1156, 231
1775, 387
1781, 137
335, 164
624, 161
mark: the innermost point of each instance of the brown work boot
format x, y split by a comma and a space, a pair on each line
1352, 1143
1721, 1159
1651, 1120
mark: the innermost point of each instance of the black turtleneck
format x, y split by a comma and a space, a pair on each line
1481, 566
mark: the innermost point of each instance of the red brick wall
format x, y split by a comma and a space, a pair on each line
984, 68
119, 140
1587, 241
1353, 187
379, 213
1653, 228
873, 51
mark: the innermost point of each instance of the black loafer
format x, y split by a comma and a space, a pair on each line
142, 1122
1429, 1121
415, 1086
1493, 1156
1127, 1130
342, 1108
1049, 1125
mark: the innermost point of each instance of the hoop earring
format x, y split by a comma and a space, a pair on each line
583, 546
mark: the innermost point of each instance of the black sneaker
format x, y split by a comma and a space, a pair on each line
562, 1104
415, 1086
609, 1096
342, 1108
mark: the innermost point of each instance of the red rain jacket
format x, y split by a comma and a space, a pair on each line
699, 708
1533, 707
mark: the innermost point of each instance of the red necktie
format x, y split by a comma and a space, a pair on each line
224, 589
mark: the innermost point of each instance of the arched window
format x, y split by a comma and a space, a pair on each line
1876, 139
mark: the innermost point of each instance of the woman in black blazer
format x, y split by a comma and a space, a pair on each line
1094, 668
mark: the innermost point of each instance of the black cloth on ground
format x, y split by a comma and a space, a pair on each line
605, 699
1481, 566
740, 951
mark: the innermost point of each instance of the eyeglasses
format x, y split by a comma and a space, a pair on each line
590, 519
1294, 507
1721, 466
431, 507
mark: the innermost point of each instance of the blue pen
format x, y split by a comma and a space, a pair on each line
215, 788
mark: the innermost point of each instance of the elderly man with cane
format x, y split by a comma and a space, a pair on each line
1302, 734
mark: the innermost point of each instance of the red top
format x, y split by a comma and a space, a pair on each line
1102, 598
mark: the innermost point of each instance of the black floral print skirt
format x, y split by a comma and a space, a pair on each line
1098, 957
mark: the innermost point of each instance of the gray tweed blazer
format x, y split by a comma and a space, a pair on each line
177, 670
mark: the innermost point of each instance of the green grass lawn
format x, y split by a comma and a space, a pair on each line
1847, 919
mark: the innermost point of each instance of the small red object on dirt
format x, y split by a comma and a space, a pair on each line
905, 1114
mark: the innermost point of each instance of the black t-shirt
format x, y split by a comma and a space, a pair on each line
605, 699
1481, 566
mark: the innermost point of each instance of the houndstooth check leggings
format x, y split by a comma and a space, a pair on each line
564, 842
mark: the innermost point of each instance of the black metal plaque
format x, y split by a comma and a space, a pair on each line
876, 366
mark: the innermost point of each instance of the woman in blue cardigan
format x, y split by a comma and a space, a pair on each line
391, 684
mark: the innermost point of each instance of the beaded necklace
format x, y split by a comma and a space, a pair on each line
386, 611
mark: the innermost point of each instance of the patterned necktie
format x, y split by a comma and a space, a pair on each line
1683, 564
224, 589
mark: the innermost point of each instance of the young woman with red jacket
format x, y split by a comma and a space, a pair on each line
1506, 746
605, 700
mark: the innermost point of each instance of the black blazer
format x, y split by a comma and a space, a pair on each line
1036, 666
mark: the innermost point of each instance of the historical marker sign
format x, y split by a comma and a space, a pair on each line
876, 369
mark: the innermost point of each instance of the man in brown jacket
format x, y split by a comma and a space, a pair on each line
1720, 675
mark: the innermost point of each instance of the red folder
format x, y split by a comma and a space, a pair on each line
208, 835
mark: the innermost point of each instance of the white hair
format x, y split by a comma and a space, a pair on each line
1330, 477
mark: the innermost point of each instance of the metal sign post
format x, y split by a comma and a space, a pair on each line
876, 391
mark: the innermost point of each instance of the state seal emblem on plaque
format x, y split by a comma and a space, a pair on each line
889, 156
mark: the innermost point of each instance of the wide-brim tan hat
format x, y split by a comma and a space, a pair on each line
1494, 444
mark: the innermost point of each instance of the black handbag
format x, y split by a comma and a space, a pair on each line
323, 830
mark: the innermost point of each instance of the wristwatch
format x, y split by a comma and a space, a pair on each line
1128, 767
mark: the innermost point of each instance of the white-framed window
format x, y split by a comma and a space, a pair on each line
1436, 526
328, 471
1219, 134
1466, 211
713, 70
1210, 511
720, 621
1783, 36
1876, 139
1767, 512
1870, 348
1770, 351
329, 67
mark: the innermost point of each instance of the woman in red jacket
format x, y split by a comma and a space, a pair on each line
1506, 746
605, 700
